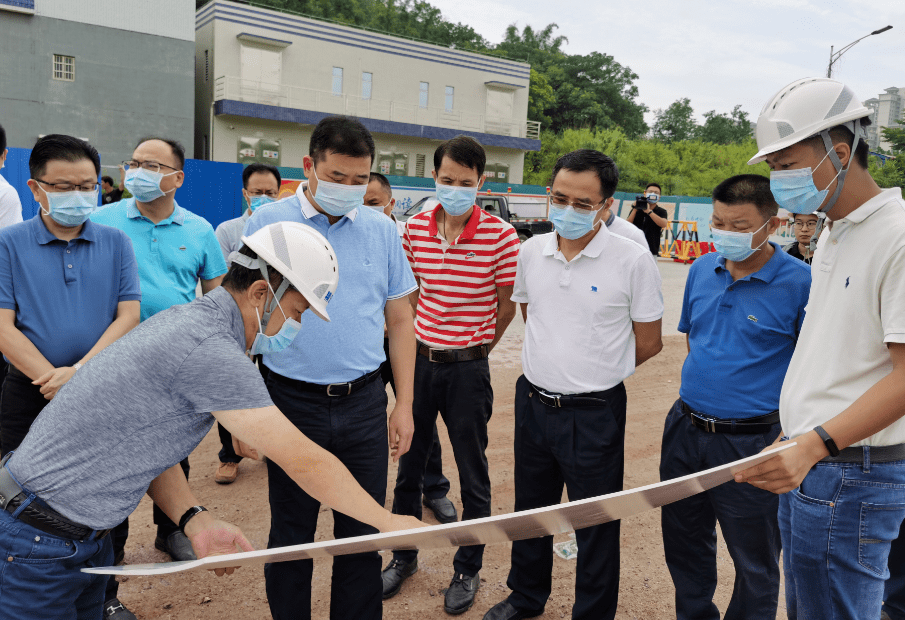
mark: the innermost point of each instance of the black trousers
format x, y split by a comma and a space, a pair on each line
462, 394
894, 597
582, 447
20, 404
436, 485
354, 429
747, 517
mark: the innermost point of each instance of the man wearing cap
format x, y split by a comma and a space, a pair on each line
124, 421
328, 383
841, 400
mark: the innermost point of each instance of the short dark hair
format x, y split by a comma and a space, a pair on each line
748, 189
2, 139
59, 147
239, 277
175, 145
583, 160
841, 133
256, 168
657, 185
465, 151
342, 135
107, 179
384, 182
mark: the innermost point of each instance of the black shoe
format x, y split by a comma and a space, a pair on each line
114, 610
443, 509
396, 573
461, 592
177, 545
505, 611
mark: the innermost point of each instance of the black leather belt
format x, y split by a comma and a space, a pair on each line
446, 356
759, 424
333, 389
42, 517
868, 454
589, 399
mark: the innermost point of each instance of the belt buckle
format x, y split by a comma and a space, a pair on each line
710, 425
430, 355
330, 389
554, 398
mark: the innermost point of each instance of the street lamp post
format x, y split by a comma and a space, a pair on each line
835, 57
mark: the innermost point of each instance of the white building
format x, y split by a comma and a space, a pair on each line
886, 112
265, 78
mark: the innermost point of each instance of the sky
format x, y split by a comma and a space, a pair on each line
718, 53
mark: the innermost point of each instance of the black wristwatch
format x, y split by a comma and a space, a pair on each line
827, 441
191, 512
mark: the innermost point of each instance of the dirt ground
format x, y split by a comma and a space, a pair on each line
646, 591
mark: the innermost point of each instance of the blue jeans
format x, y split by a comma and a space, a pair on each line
836, 530
40, 574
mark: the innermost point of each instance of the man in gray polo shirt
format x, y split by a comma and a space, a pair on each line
123, 423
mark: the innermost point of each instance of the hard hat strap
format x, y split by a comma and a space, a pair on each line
841, 172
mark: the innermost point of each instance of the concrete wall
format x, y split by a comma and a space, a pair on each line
126, 85
163, 18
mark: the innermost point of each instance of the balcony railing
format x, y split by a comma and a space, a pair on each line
285, 96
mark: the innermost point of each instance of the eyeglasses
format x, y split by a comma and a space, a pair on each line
805, 225
559, 203
257, 193
150, 166
69, 187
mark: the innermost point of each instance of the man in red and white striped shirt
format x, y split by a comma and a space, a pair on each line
464, 260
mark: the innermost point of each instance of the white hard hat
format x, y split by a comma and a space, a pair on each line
303, 257
803, 109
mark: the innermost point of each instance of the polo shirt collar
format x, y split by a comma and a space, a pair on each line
873, 205
471, 226
176, 217
308, 209
765, 273
592, 250
223, 300
44, 236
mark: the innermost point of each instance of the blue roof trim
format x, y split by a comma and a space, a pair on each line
309, 117
367, 40
21, 4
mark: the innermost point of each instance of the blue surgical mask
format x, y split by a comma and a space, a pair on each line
70, 209
570, 223
279, 341
145, 185
652, 197
794, 190
259, 201
735, 246
456, 200
338, 199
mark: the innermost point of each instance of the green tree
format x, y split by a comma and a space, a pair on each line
896, 137
725, 128
675, 123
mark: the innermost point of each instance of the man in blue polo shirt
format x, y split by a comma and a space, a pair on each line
175, 249
68, 287
742, 315
327, 382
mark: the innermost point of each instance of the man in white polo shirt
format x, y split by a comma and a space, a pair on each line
593, 305
841, 400
621, 227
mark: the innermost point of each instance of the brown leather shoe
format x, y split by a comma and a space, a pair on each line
226, 473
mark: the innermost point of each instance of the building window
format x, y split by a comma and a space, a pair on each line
207, 67
419, 165
366, 80
422, 94
337, 80
450, 92
64, 68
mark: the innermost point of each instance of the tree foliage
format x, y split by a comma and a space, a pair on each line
675, 123
725, 128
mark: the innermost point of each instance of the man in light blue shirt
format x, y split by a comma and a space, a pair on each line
327, 382
175, 249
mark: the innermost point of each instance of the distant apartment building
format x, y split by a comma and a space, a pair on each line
105, 70
886, 111
265, 78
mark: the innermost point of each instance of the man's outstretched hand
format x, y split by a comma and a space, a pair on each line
211, 536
